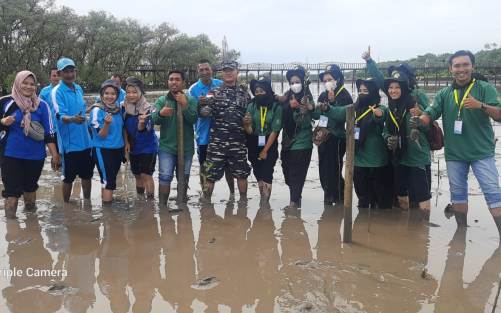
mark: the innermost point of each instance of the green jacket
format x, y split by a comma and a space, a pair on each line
415, 155
374, 71
334, 124
374, 152
272, 122
168, 125
476, 141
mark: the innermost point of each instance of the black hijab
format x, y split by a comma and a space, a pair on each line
366, 124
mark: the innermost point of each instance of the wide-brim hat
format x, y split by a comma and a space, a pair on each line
262, 82
299, 71
399, 77
334, 70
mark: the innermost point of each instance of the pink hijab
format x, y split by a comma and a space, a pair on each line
26, 104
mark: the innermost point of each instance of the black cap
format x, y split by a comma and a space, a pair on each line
298, 71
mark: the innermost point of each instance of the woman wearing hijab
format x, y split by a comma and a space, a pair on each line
297, 115
331, 151
262, 124
141, 136
371, 156
106, 125
26, 127
419, 95
408, 143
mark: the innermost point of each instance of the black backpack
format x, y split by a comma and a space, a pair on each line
10, 104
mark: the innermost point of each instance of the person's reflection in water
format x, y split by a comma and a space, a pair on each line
392, 252
144, 257
80, 260
113, 267
221, 253
29, 293
454, 295
264, 259
178, 245
329, 234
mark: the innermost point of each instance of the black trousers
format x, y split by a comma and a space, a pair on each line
414, 182
330, 155
371, 188
295, 165
263, 169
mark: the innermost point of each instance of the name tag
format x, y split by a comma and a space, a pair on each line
458, 127
261, 141
357, 133
323, 121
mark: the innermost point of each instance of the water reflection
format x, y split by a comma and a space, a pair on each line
238, 256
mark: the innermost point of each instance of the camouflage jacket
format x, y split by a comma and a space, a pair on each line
228, 110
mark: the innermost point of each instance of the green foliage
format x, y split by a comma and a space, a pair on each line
34, 34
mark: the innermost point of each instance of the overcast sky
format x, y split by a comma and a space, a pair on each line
279, 31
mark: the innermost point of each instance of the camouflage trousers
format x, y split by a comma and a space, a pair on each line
229, 154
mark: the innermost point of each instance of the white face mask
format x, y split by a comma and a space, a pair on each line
330, 85
296, 87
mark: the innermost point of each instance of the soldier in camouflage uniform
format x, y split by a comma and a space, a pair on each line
227, 148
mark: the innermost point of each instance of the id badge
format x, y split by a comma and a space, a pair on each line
323, 121
357, 133
458, 127
262, 141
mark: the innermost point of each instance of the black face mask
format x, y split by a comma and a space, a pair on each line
364, 99
263, 100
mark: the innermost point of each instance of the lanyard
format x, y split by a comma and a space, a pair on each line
456, 96
395, 120
363, 115
339, 91
262, 114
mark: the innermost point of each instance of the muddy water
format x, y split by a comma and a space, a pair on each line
238, 256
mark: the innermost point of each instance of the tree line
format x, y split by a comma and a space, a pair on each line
34, 34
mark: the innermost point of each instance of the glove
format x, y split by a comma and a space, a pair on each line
414, 122
392, 142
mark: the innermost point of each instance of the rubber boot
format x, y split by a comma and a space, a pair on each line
163, 194
425, 208
140, 191
11, 207
497, 220
403, 202
67, 192
30, 201
86, 188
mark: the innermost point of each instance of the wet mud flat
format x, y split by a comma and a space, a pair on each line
240, 256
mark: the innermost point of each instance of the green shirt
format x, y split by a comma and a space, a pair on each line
421, 97
416, 155
168, 125
272, 121
374, 152
476, 141
303, 135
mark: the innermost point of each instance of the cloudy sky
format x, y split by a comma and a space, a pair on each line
278, 31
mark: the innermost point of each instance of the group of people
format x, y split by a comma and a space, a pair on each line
231, 127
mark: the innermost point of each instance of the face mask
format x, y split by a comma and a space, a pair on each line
364, 99
296, 88
261, 99
330, 85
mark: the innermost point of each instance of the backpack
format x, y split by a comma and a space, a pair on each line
435, 137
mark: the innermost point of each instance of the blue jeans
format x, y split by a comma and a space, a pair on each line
487, 175
168, 163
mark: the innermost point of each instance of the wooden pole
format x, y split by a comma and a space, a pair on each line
181, 180
348, 172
